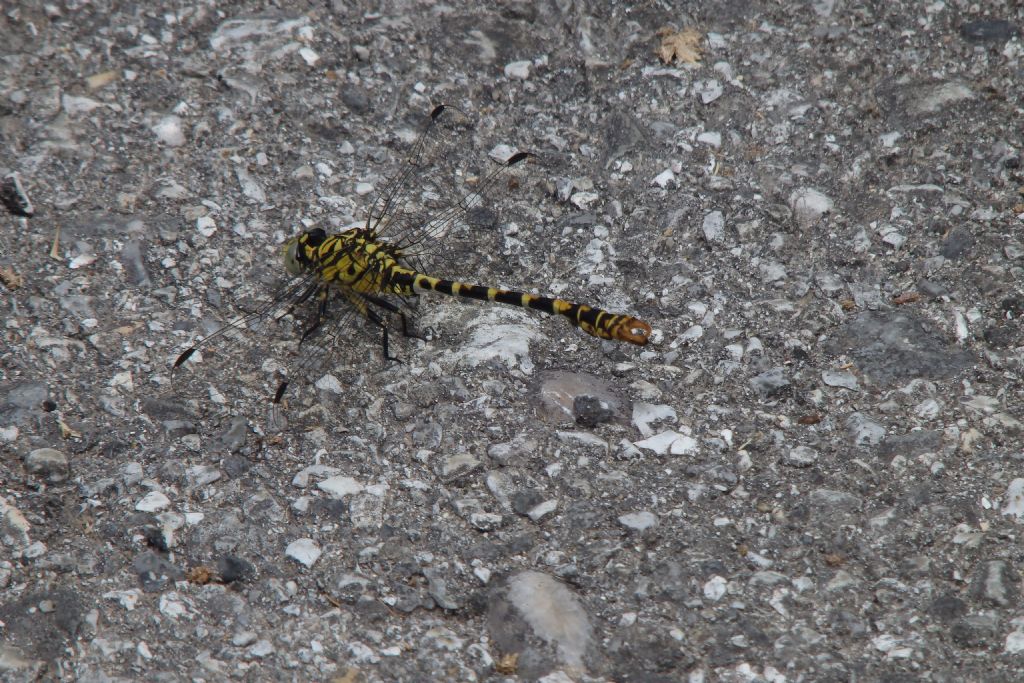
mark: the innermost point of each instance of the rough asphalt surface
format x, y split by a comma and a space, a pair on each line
812, 473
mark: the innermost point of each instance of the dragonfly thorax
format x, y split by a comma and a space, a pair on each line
355, 259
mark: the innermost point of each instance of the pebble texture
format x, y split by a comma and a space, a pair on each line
812, 473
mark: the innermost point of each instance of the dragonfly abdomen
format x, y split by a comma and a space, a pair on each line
594, 321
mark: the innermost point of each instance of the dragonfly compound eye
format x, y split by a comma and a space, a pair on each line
291, 258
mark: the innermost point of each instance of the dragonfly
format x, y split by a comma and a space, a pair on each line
373, 270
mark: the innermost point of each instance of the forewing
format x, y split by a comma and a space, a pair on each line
441, 179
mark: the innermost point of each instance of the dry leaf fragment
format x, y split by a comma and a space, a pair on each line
351, 675
200, 574
683, 47
55, 247
906, 298
97, 81
67, 431
10, 278
834, 559
507, 664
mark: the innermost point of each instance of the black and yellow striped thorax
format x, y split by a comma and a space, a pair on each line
355, 260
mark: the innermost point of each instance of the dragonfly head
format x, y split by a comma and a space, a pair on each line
296, 252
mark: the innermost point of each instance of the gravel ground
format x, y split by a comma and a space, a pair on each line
812, 473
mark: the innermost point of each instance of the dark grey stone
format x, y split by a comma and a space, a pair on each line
233, 437
27, 395
642, 650
995, 583
437, 588
910, 445
356, 99
988, 31
770, 383
134, 262
155, 572
947, 608
1003, 336
975, 631
591, 411
932, 289
231, 568
892, 347
524, 501
957, 244
47, 463
43, 623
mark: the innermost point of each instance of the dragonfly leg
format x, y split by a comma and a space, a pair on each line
372, 316
391, 307
321, 312
412, 334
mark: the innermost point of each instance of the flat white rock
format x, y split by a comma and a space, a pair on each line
340, 486
669, 442
153, 501
520, 70
714, 589
1015, 500
305, 551
170, 131
644, 414
808, 206
554, 613
844, 380
639, 521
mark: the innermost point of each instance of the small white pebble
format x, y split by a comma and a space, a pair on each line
809, 205
709, 90
243, 638
329, 383
502, 153
81, 261
639, 521
714, 227
78, 105
152, 502
206, 226
664, 178
169, 130
711, 139
520, 70
714, 589
340, 486
305, 551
